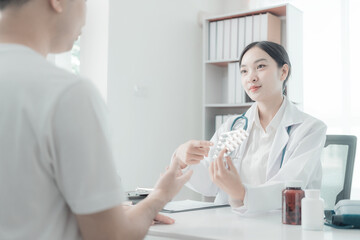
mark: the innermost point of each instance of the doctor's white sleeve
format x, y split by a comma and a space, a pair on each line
302, 162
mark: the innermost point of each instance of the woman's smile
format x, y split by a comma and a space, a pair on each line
254, 88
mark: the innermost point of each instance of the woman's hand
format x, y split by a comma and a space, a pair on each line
227, 178
192, 152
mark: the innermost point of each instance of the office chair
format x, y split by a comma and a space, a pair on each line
337, 161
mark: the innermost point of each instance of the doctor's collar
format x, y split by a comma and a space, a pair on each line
275, 121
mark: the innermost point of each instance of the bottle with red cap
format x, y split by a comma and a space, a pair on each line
291, 203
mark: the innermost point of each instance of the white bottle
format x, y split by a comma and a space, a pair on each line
312, 210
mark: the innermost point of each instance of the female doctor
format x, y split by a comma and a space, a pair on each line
283, 143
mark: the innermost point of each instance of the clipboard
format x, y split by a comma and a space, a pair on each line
189, 205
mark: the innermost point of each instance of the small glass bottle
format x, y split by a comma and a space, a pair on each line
312, 212
291, 203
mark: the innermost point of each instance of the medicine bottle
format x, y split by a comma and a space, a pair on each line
312, 210
291, 203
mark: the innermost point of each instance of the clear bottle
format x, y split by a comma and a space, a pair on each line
312, 212
291, 203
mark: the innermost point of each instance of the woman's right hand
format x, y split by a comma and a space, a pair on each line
192, 152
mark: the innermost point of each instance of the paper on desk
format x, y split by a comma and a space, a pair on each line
189, 205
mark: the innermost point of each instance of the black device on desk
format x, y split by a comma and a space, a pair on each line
137, 195
346, 215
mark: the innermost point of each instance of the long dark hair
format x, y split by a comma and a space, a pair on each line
276, 52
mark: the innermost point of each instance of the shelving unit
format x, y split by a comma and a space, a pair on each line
215, 71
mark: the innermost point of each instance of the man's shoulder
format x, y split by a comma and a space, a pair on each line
25, 71
30, 68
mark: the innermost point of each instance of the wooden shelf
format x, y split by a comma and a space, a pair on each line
222, 63
215, 72
276, 10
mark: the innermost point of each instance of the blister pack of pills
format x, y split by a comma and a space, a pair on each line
230, 140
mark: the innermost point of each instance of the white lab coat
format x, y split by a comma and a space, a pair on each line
301, 161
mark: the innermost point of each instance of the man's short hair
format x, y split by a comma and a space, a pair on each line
5, 3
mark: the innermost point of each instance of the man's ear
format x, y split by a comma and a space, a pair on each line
284, 72
56, 5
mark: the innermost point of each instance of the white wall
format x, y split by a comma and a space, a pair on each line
94, 45
154, 47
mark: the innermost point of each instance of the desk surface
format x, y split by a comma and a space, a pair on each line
222, 223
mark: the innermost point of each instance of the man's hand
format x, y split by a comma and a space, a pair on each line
192, 152
227, 179
171, 181
162, 219
159, 218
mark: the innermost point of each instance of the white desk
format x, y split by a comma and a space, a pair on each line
222, 223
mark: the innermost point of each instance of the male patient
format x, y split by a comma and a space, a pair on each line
57, 173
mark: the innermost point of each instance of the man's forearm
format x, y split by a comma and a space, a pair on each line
142, 214
121, 223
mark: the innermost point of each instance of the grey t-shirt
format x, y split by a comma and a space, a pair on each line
55, 154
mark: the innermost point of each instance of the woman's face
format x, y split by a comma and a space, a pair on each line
261, 77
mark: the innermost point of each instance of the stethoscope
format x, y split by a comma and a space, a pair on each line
242, 122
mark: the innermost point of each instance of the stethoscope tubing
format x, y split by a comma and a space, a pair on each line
246, 126
238, 118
